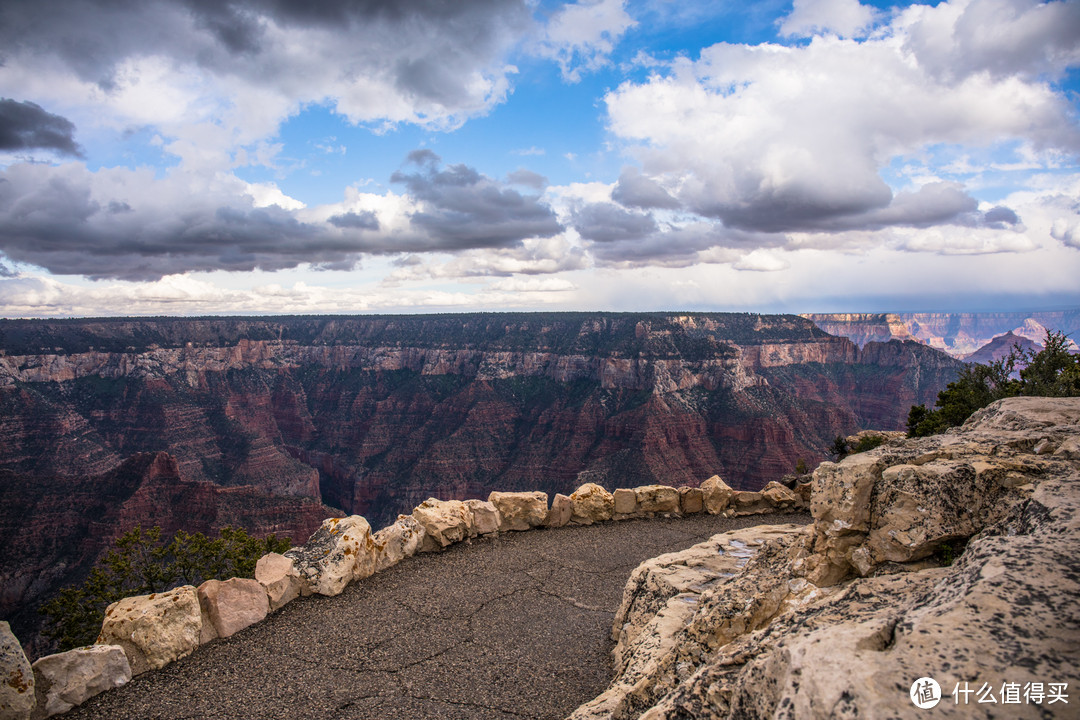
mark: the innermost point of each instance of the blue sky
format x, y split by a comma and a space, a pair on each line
270, 156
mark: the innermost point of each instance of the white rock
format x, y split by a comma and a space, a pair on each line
485, 517
233, 604
16, 678
155, 629
560, 512
280, 578
445, 522
70, 678
398, 541
520, 510
340, 551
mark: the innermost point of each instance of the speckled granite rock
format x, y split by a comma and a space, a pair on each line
16, 678
340, 551
398, 541
838, 621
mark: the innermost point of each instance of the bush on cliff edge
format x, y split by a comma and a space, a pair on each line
141, 563
1051, 372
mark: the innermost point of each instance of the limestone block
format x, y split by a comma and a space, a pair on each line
485, 517
280, 578
16, 678
155, 629
445, 522
398, 541
560, 512
717, 494
233, 604
691, 500
780, 496
749, 503
340, 551
840, 502
591, 503
70, 678
625, 501
657, 498
520, 510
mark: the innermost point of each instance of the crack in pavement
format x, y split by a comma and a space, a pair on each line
512, 626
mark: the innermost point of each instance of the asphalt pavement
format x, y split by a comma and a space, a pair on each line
513, 626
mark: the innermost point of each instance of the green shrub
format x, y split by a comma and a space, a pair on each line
141, 563
1051, 372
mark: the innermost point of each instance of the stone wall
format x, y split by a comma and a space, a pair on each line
145, 633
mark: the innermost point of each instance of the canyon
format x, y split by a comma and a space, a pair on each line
959, 334
277, 423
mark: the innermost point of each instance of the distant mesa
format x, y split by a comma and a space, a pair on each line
959, 334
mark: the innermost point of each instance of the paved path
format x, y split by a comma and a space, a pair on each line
516, 626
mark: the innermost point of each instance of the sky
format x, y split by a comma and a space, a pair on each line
201, 157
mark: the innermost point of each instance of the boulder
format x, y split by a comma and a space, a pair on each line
657, 499
280, 578
396, 542
560, 512
965, 542
485, 516
340, 551
591, 503
744, 502
16, 678
156, 629
70, 678
233, 604
520, 510
716, 494
625, 501
780, 497
691, 500
445, 522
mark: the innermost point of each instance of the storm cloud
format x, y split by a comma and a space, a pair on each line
130, 225
420, 61
465, 209
28, 126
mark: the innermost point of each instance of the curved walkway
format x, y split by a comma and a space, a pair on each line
515, 626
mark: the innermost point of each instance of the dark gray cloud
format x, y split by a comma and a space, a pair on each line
1001, 217
366, 220
528, 178
28, 126
636, 190
429, 50
59, 218
607, 222
465, 209
802, 208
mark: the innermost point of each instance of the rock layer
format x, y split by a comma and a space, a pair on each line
370, 415
840, 620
